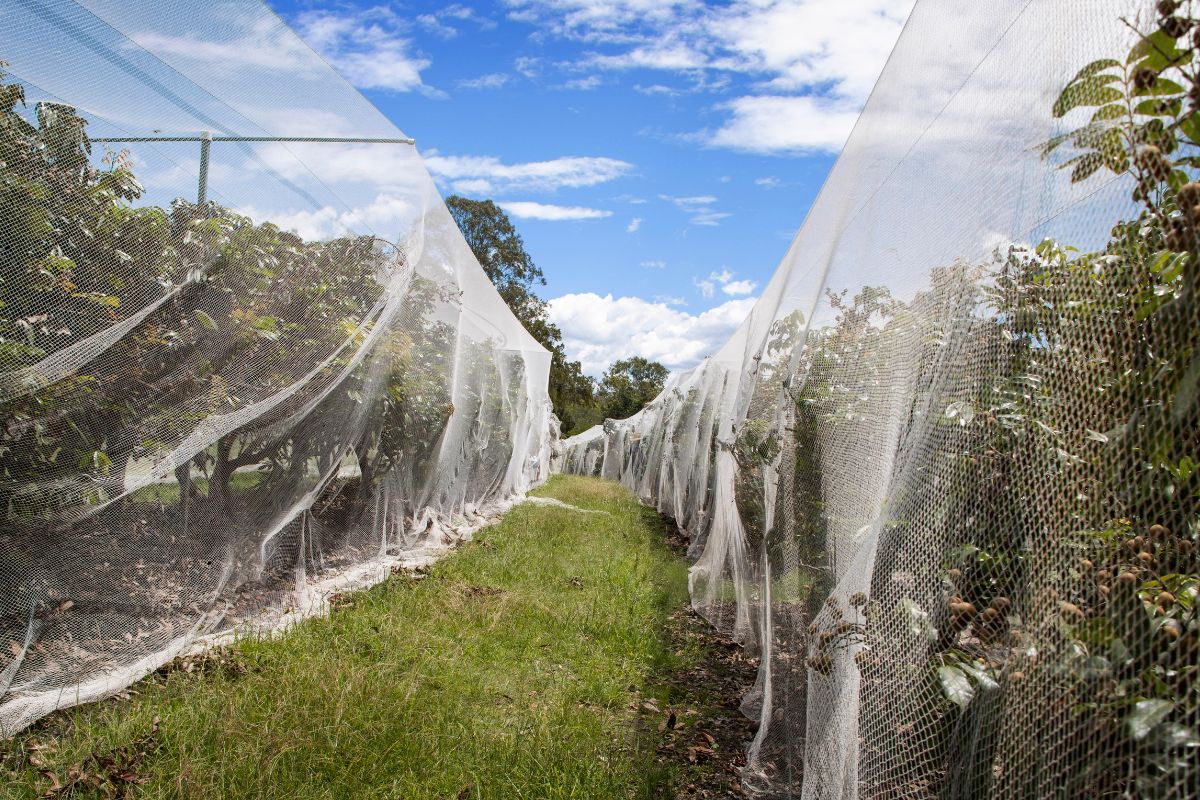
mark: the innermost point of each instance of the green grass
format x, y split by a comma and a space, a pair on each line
167, 493
513, 670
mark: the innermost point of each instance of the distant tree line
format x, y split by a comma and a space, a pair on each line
580, 401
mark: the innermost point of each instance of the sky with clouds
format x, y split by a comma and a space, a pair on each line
657, 156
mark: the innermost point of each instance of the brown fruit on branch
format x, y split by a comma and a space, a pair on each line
1127, 578
1167, 7
1071, 611
1144, 78
1160, 531
1176, 26
962, 609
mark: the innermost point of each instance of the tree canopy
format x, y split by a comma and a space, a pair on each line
628, 385
578, 401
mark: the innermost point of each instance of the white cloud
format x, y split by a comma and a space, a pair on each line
669, 301
699, 207
260, 46
786, 124
525, 209
488, 175
388, 215
654, 264
584, 84
528, 66
633, 225
826, 53
735, 288
369, 48
656, 88
708, 217
661, 55
725, 280
770, 181
493, 80
689, 203
431, 23
599, 330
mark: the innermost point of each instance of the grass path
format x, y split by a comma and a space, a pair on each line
519, 667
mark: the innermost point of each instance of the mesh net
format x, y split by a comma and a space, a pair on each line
215, 413
944, 477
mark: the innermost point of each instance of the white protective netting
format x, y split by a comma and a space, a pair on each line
944, 478
206, 420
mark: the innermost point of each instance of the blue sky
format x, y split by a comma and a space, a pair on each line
657, 156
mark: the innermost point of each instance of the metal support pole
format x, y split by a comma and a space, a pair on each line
206, 139
205, 144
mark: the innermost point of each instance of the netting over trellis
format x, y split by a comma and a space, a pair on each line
208, 419
944, 478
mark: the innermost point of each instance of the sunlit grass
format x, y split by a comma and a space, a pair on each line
511, 671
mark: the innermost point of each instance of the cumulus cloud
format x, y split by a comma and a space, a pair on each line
786, 124
369, 48
826, 53
524, 209
584, 84
724, 280
633, 225
598, 330
769, 181
256, 45
735, 288
493, 80
529, 66
388, 215
698, 207
489, 175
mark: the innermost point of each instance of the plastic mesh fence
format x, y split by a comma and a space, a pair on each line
207, 419
944, 479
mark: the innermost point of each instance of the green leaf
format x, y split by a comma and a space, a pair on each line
1100, 137
1162, 86
984, 680
1085, 166
919, 623
97, 460
1089, 92
1109, 112
1052, 145
1158, 51
957, 687
1190, 125
1189, 387
205, 320
1159, 108
1146, 716
1095, 67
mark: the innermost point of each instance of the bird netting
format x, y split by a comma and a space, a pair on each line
236, 369
945, 477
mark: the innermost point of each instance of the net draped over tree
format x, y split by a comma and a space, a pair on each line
945, 479
214, 414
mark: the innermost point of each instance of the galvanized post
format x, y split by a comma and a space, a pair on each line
205, 143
